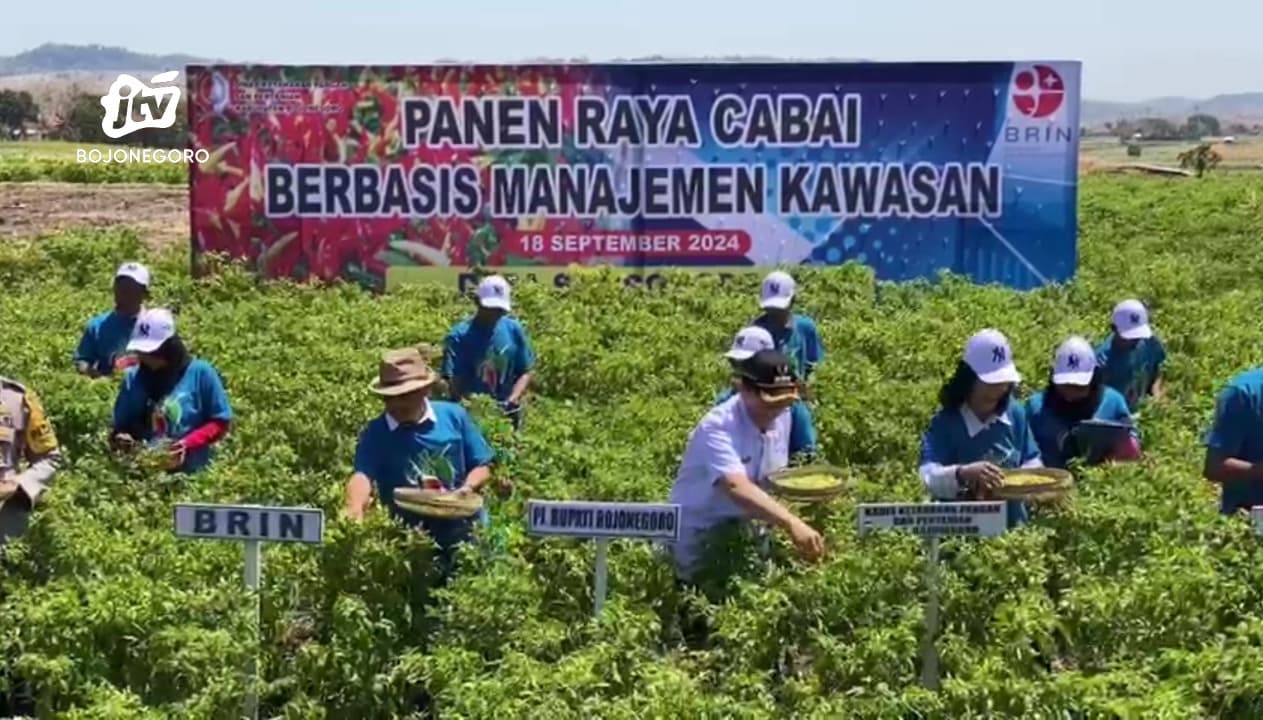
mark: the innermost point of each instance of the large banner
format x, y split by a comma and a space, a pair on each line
394, 174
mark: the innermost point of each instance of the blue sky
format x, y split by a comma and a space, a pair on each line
1131, 50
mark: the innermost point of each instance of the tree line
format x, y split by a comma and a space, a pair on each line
78, 119
1196, 127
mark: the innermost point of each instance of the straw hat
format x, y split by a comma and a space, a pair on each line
403, 371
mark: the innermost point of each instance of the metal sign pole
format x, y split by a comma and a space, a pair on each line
254, 575
929, 650
933, 521
602, 574
602, 522
251, 525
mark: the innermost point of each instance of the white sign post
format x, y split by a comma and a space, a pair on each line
602, 521
252, 525
932, 521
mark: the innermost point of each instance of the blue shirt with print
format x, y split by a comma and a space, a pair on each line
487, 360
800, 341
1237, 432
445, 444
802, 429
1006, 442
104, 339
1131, 372
1051, 430
197, 398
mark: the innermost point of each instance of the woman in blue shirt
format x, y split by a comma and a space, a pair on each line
1076, 392
978, 431
170, 397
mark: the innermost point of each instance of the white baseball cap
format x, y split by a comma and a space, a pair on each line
988, 354
1074, 362
777, 291
153, 327
748, 341
494, 292
1131, 320
134, 271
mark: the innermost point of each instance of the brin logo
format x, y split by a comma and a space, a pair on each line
133, 102
1038, 92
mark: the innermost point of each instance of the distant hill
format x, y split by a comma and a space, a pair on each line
93, 67
54, 58
1237, 106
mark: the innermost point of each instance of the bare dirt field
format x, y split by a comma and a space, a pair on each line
158, 212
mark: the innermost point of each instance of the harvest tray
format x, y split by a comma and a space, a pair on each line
810, 483
1045, 484
441, 505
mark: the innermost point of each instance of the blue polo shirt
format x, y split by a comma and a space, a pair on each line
197, 398
802, 429
1051, 431
446, 444
1237, 432
956, 437
487, 360
800, 341
104, 340
1131, 372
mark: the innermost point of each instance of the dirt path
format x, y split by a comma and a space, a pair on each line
158, 212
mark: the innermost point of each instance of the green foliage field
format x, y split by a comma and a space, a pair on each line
17, 168
1146, 601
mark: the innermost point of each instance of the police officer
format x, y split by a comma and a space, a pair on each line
26, 438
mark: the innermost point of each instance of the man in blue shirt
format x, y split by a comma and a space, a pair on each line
794, 334
1234, 445
490, 353
418, 442
102, 348
802, 429
1131, 357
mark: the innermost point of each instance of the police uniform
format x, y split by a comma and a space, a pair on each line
26, 438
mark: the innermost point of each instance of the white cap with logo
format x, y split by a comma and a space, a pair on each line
1131, 320
134, 271
988, 354
153, 327
777, 291
493, 292
1074, 362
748, 341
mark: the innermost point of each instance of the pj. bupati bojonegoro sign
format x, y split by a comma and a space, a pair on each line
423, 171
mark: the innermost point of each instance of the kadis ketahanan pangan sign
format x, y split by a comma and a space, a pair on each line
420, 171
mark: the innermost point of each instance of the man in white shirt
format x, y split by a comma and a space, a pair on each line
729, 456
